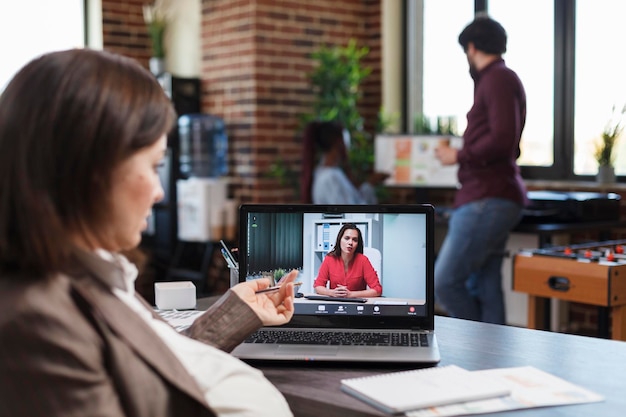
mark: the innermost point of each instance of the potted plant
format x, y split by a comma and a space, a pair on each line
155, 18
336, 83
604, 150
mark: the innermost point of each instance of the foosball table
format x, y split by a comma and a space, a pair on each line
593, 274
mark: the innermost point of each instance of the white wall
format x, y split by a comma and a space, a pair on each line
183, 49
29, 28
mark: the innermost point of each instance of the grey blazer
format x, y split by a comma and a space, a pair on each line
70, 347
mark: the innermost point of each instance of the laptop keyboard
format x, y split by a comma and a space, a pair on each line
179, 319
307, 337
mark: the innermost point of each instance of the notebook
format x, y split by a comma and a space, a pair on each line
397, 326
399, 392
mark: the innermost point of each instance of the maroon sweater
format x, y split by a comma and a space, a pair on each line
487, 161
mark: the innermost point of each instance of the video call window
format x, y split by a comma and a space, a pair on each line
395, 244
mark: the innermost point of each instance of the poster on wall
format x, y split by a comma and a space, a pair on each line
410, 160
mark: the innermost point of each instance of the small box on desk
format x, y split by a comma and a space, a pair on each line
178, 295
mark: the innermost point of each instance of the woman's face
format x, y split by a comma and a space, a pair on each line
135, 188
349, 241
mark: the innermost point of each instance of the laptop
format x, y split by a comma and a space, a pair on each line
395, 327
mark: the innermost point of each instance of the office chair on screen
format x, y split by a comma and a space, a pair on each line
375, 258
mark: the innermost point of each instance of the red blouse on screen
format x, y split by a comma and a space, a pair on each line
360, 275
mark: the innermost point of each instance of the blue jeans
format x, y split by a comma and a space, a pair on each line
468, 279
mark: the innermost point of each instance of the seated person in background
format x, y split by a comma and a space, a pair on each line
82, 134
349, 272
329, 182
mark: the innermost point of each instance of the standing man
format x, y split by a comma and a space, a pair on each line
492, 194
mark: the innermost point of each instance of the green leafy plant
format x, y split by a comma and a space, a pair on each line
156, 22
336, 81
422, 125
604, 148
385, 120
278, 274
285, 174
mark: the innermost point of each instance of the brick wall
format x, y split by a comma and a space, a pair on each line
123, 29
256, 56
255, 65
256, 61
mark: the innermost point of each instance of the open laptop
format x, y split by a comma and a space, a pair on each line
398, 326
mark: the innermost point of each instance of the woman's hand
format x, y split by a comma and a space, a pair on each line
273, 308
340, 291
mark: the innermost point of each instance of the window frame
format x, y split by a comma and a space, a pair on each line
564, 95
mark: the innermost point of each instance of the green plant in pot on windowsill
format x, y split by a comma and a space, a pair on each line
605, 147
154, 16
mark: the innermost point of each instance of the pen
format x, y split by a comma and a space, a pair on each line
274, 288
228, 260
227, 253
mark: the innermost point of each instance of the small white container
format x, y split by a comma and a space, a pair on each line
178, 295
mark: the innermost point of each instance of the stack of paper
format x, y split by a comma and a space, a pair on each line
453, 391
398, 392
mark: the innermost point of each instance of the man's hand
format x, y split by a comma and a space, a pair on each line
446, 154
377, 178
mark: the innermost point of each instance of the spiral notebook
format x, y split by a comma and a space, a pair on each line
399, 392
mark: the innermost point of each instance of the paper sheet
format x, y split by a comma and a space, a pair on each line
530, 388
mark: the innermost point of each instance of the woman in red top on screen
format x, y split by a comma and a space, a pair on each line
349, 271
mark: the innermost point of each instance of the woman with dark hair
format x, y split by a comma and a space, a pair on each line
325, 171
346, 271
82, 133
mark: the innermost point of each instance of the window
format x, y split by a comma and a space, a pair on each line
600, 79
447, 86
29, 28
530, 53
437, 72
565, 52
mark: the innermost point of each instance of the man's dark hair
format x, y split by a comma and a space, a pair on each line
486, 34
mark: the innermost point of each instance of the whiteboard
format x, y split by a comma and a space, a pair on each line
410, 160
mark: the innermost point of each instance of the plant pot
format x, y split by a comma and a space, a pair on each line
606, 174
157, 66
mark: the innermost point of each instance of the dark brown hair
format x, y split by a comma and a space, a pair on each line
319, 137
486, 34
67, 120
337, 249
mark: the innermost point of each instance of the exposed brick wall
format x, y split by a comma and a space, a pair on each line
256, 61
255, 66
123, 29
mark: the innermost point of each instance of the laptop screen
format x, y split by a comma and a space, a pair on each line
396, 240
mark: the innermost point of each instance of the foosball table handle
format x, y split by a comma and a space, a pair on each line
559, 283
